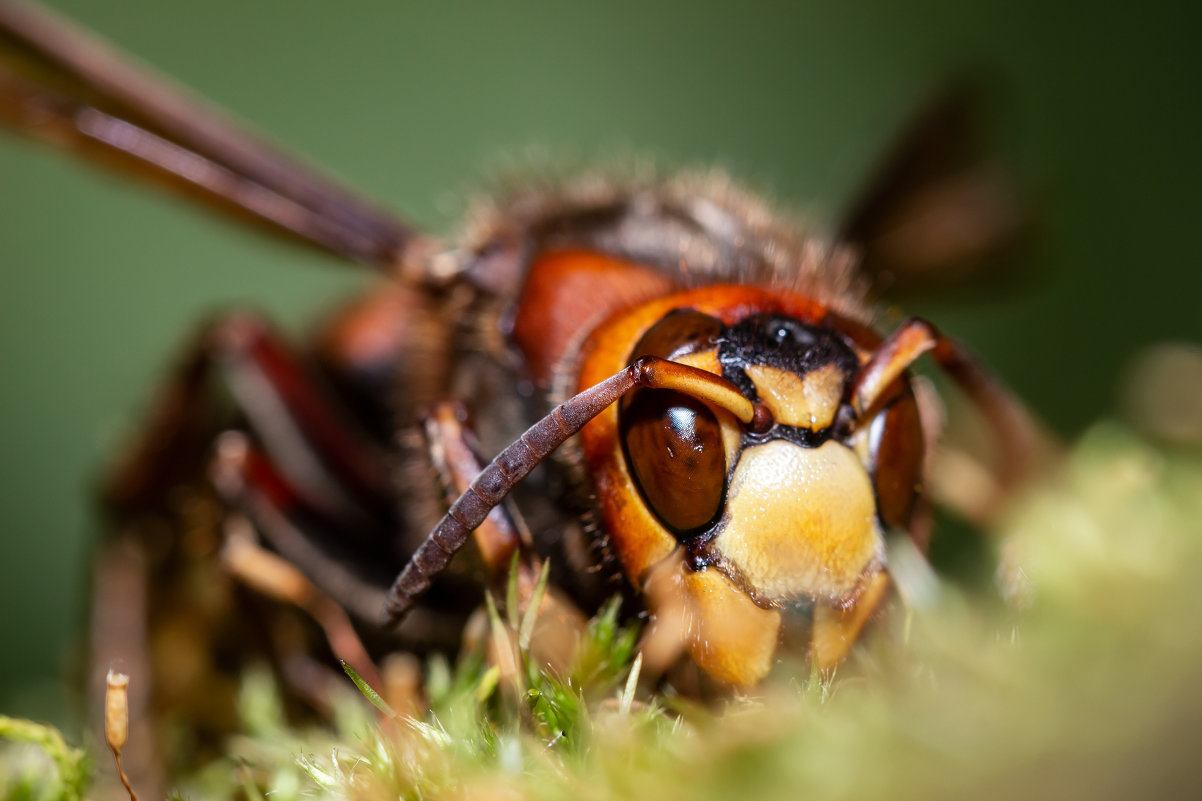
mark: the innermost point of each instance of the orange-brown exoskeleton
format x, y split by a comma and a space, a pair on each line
718, 425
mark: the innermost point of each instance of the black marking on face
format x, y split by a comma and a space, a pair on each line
783, 343
791, 345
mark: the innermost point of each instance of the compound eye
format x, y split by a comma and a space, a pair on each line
674, 447
678, 331
898, 445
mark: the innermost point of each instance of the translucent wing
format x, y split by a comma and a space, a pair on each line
64, 87
935, 209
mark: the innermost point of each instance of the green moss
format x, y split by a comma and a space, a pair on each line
36, 764
1081, 685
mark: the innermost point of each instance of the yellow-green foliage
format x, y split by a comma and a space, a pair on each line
37, 765
1083, 685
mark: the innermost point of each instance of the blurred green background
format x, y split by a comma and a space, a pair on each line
100, 282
